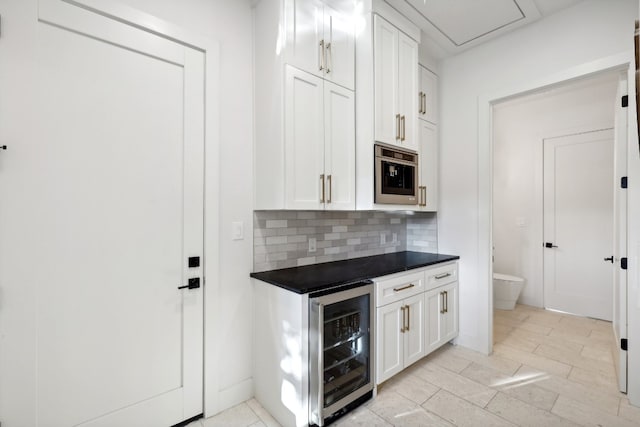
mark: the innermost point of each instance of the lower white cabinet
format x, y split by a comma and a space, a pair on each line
442, 319
401, 335
417, 312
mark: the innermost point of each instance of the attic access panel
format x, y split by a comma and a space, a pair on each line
462, 21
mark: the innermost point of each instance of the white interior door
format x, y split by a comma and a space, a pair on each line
116, 209
578, 219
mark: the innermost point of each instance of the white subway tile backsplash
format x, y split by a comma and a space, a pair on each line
281, 237
277, 223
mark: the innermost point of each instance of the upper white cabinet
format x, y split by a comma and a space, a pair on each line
428, 165
428, 96
305, 105
320, 39
319, 143
396, 83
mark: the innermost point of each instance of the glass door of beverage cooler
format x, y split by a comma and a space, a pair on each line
340, 350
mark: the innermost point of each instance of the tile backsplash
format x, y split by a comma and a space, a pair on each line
281, 238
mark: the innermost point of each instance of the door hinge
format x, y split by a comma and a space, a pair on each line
623, 344
624, 182
623, 263
625, 101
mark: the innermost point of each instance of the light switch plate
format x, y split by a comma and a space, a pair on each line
312, 244
237, 232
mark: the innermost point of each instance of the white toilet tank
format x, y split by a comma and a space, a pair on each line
506, 290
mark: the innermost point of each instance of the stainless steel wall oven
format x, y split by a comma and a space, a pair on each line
396, 176
340, 351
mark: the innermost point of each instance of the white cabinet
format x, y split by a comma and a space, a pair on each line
319, 143
428, 96
417, 312
428, 165
304, 150
400, 324
395, 85
321, 39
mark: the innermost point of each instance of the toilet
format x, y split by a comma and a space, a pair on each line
506, 290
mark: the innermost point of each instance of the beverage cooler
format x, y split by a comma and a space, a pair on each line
340, 351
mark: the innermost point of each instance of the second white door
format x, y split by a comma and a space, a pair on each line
578, 218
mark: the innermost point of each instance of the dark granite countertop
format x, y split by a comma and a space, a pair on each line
318, 277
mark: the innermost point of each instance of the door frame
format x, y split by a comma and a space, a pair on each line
620, 62
210, 48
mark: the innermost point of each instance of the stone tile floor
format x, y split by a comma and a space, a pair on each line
547, 369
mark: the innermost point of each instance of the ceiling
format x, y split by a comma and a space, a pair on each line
452, 26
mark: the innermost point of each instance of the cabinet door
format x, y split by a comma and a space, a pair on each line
407, 89
385, 58
428, 163
304, 140
389, 342
433, 326
450, 315
429, 89
339, 34
340, 147
414, 335
304, 27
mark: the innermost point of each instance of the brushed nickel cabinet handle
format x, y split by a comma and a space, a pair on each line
403, 288
403, 318
446, 301
420, 101
321, 54
329, 62
397, 126
442, 276
424, 199
408, 317
424, 100
402, 138
442, 302
322, 195
329, 182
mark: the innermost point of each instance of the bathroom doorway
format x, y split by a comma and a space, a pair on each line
520, 127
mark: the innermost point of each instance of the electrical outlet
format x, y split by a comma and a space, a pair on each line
312, 244
383, 238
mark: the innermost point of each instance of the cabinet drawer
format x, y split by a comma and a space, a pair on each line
442, 275
398, 286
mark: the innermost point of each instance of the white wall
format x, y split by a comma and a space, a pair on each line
228, 328
587, 32
519, 127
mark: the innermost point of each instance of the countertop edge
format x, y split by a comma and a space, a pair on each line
339, 283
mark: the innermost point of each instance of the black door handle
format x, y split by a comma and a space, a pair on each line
609, 259
549, 245
194, 283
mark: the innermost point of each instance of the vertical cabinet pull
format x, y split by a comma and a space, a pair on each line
442, 303
424, 198
424, 101
403, 134
321, 54
329, 184
322, 183
420, 101
329, 62
403, 328
408, 317
397, 126
446, 301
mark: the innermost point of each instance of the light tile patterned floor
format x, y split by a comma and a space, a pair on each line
548, 369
